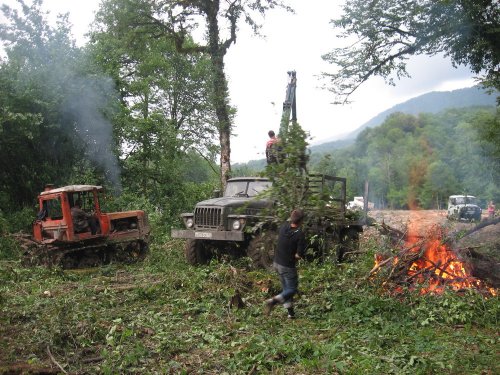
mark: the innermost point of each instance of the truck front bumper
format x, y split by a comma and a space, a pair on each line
208, 235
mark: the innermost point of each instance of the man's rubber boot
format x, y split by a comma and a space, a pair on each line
269, 305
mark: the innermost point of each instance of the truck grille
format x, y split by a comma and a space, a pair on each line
208, 217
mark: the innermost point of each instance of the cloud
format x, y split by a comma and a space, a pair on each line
428, 73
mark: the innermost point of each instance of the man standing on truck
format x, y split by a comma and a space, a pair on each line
272, 148
291, 247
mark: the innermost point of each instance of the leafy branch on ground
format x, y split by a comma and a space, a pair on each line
163, 315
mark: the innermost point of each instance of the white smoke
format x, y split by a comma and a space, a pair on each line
89, 100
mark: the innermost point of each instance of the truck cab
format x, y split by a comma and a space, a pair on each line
54, 220
225, 218
55, 223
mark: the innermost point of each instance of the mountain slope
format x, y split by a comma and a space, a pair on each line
432, 102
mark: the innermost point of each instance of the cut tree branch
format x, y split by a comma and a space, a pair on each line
54, 361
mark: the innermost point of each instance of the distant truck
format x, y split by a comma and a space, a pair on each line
463, 207
359, 204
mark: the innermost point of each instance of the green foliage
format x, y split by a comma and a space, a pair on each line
53, 112
9, 248
166, 316
418, 161
247, 169
13, 223
489, 137
387, 32
16, 221
289, 175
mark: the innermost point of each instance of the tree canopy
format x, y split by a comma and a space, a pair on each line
384, 33
44, 128
176, 20
165, 110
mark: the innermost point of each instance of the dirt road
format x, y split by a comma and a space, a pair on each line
419, 222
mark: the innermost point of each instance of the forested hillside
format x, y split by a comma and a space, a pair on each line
415, 161
432, 102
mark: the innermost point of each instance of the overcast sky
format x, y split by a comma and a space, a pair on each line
257, 72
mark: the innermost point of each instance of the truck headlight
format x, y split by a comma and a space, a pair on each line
189, 222
236, 225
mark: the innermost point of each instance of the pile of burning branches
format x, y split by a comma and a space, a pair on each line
430, 264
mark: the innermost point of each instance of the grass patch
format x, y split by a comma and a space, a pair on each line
165, 316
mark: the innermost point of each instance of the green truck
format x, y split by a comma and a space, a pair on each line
243, 222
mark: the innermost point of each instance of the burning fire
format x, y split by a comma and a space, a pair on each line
430, 263
445, 270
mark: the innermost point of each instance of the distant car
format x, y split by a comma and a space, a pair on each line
463, 207
358, 204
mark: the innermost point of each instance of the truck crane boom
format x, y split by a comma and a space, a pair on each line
289, 105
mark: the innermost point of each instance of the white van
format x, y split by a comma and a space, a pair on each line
463, 207
359, 204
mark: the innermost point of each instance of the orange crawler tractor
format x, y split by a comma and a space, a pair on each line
71, 231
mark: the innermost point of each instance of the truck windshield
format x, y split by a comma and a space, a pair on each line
466, 200
245, 188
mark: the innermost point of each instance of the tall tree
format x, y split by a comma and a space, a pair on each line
165, 110
386, 32
176, 19
37, 145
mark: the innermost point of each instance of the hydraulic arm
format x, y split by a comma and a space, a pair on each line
289, 105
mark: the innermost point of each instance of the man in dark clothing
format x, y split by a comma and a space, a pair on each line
291, 247
82, 220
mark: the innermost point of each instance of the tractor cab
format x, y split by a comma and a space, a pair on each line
55, 220
61, 236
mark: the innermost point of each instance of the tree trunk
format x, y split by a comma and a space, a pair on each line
222, 112
219, 86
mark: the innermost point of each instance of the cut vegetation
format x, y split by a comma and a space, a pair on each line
165, 316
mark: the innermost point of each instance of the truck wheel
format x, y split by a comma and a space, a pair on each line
261, 249
349, 241
196, 252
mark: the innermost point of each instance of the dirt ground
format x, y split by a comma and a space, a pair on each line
420, 222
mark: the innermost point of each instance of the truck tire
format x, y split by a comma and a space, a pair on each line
196, 252
349, 241
261, 249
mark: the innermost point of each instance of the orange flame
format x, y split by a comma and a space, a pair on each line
438, 267
447, 269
